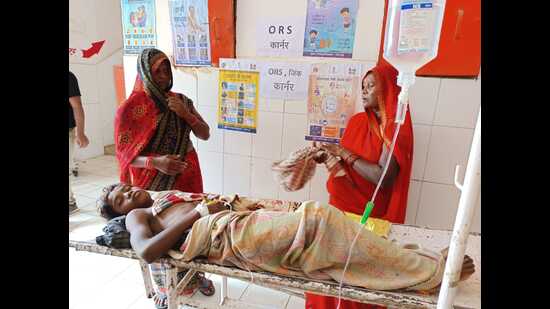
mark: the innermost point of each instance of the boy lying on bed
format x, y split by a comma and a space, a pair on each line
311, 242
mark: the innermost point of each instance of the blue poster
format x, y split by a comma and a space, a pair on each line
190, 32
138, 25
330, 28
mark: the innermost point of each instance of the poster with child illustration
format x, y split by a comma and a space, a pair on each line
330, 28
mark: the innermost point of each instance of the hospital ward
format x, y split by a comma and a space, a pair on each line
255, 154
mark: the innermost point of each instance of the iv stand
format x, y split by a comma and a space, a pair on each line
466, 207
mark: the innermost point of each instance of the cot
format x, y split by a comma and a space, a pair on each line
468, 296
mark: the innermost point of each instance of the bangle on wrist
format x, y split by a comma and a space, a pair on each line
351, 159
192, 121
149, 163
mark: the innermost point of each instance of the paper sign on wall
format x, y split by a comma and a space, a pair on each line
138, 25
240, 64
330, 28
279, 37
333, 92
238, 100
284, 80
190, 32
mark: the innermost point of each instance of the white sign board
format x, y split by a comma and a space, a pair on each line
280, 37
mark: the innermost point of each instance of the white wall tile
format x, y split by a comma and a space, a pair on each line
412, 202
458, 104
212, 171
448, 147
107, 96
130, 72
423, 99
184, 83
296, 303
421, 134
236, 142
263, 183
93, 132
236, 175
296, 107
369, 25
215, 142
255, 294
270, 105
438, 205
318, 188
87, 82
266, 143
208, 88
294, 131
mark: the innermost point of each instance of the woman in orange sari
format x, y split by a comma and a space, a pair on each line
365, 148
152, 142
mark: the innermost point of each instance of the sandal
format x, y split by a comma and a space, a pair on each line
206, 286
161, 302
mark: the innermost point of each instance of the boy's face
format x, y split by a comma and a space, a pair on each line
345, 14
313, 35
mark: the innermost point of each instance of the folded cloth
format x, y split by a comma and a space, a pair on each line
295, 171
116, 235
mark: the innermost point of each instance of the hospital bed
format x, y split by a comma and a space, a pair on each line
468, 297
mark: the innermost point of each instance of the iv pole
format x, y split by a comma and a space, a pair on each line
465, 213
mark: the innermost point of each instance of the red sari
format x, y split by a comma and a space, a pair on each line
365, 136
144, 126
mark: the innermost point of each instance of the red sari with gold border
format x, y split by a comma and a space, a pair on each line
365, 136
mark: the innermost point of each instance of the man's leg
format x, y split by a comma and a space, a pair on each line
72, 201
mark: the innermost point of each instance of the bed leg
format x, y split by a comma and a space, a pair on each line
223, 294
149, 292
171, 284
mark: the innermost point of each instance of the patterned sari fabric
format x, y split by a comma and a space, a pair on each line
365, 135
294, 244
145, 126
295, 171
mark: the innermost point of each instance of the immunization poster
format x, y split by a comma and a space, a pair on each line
330, 28
333, 92
238, 100
190, 32
138, 25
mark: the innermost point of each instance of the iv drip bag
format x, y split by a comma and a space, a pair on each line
412, 35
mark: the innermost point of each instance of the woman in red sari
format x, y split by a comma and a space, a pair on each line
365, 148
152, 141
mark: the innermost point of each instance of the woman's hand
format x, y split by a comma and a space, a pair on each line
169, 164
334, 149
179, 106
216, 207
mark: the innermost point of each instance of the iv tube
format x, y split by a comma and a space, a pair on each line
411, 40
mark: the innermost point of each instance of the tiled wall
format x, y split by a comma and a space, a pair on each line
444, 113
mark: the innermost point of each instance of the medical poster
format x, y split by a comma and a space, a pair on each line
238, 100
284, 80
138, 25
190, 32
330, 28
240, 64
333, 92
279, 37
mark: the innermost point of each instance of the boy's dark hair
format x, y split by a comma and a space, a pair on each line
344, 10
103, 207
313, 31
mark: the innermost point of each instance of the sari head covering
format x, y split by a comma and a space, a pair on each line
144, 125
365, 136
